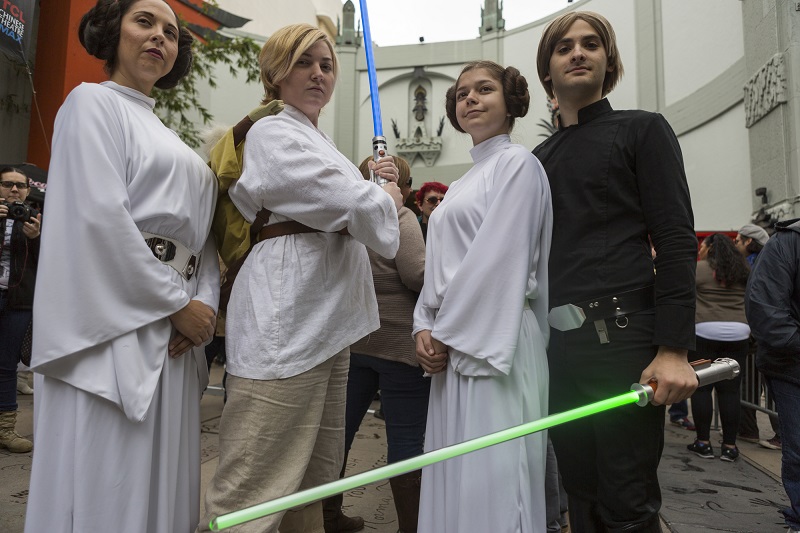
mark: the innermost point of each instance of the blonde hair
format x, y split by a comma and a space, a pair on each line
281, 52
558, 28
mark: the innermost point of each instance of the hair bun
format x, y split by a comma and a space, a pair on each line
517, 94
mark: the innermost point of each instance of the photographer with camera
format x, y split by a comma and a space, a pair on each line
19, 254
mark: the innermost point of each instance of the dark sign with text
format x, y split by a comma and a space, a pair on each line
16, 21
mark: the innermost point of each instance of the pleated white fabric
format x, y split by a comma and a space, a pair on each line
121, 476
485, 296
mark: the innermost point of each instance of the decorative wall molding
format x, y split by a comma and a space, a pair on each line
765, 90
709, 101
784, 210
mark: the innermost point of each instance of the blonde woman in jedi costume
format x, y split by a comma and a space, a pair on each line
302, 296
481, 319
127, 289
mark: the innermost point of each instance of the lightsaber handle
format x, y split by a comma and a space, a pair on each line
379, 150
707, 373
722, 368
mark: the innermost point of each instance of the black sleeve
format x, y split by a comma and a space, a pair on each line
768, 301
667, 209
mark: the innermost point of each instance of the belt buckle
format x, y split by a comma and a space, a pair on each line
163, 249
566, 317
190, 268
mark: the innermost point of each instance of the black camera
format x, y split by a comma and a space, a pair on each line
20, 211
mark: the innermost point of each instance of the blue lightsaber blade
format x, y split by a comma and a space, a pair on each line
378, 141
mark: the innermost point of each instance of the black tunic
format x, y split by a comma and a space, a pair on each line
617, 177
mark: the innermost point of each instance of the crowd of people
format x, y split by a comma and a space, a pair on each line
464, 317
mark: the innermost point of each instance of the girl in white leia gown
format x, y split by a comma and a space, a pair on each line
481, 320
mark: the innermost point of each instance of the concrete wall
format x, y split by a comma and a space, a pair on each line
772, 30
673, 65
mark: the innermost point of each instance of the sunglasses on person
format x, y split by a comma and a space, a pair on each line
12, 184
433, 200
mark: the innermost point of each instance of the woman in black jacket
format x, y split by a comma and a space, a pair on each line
19, 254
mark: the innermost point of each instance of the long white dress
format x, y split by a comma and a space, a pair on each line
485, 296
116, 421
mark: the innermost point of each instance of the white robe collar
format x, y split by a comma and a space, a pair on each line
482, 150
131, 94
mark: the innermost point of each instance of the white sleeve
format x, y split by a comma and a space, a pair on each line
97, 279
295, 175
208, 276
481, 312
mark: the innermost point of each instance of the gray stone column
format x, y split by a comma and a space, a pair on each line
772, 103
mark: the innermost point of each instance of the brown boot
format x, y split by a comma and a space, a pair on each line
9, 438
335, 520
405, 490
342, 523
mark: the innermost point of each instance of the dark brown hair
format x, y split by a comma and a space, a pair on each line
729, 266
99, 34
515, 91
6, 170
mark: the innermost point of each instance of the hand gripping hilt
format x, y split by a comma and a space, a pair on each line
379, 150
707, 372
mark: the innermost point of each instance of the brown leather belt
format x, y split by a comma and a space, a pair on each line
281, 229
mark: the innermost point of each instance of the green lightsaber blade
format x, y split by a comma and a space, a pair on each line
415, 463
707, 372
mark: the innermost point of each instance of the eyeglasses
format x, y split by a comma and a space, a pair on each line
409, 182
12, 184
433, 200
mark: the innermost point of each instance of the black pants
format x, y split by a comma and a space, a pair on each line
608, 461
728, 390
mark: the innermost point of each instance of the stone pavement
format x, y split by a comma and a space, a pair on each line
700, 495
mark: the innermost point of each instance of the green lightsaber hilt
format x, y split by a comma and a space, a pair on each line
639, 394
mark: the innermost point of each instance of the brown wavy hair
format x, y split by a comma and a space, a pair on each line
729, 266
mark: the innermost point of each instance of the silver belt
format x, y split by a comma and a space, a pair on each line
173, 254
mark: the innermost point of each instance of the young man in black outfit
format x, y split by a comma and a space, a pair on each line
617, 179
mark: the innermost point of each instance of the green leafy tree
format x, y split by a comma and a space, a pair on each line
177, 107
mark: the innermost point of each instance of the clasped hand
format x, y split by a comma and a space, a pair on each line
431, 353
194, 325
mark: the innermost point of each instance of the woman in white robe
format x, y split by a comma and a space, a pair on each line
481, 319
303, 295
118, 384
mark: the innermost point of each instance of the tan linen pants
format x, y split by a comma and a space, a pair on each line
277, 437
